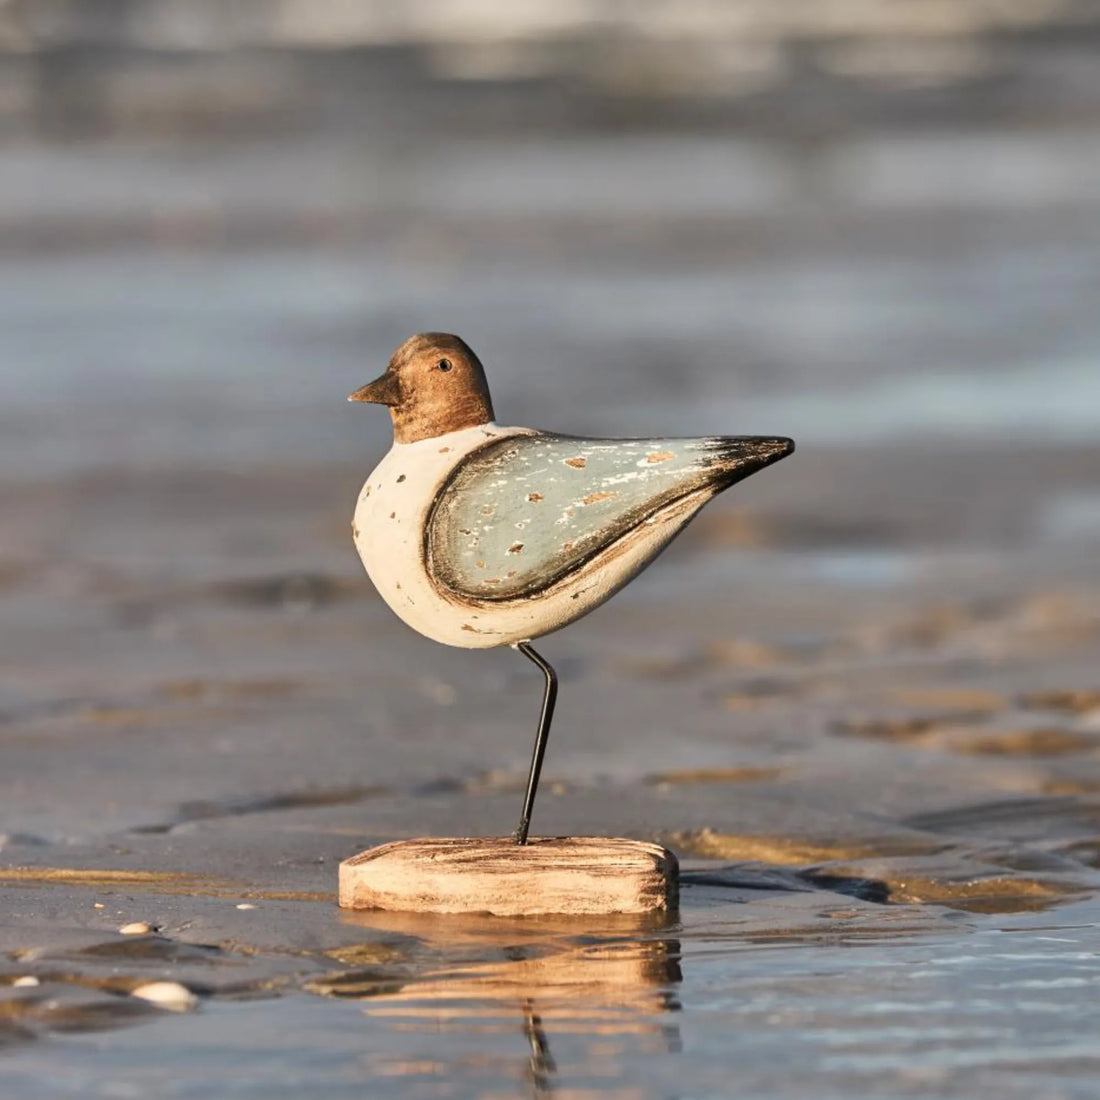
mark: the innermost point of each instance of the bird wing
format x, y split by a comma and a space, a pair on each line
523, 512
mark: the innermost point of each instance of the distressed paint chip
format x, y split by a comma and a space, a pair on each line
515, 548
603, 494
658, 456
534, 497
577, 463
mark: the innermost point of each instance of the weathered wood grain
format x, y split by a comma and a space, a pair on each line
495, 875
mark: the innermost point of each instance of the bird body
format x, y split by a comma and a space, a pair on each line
479, 535
491, 535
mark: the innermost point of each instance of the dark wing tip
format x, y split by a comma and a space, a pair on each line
740, 456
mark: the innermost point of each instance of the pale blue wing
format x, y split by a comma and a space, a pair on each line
526, 511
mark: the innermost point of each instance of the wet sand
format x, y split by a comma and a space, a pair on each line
859, 697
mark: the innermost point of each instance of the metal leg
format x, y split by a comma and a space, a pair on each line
549, 698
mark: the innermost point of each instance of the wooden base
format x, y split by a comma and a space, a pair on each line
574, 874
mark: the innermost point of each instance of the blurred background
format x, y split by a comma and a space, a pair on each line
854, 221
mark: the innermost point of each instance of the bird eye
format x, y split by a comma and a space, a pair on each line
444, 364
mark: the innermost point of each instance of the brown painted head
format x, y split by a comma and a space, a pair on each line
434, 384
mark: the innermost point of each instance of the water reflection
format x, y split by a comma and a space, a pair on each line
612, 982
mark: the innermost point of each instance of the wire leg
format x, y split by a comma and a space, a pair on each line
549, 698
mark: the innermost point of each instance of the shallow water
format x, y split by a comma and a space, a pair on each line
699, 1008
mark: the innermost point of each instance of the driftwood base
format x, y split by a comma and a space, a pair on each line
575, 874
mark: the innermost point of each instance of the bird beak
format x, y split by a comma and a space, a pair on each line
382, 391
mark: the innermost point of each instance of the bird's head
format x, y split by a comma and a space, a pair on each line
434, 384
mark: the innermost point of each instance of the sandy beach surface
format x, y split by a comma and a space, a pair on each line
860, 697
